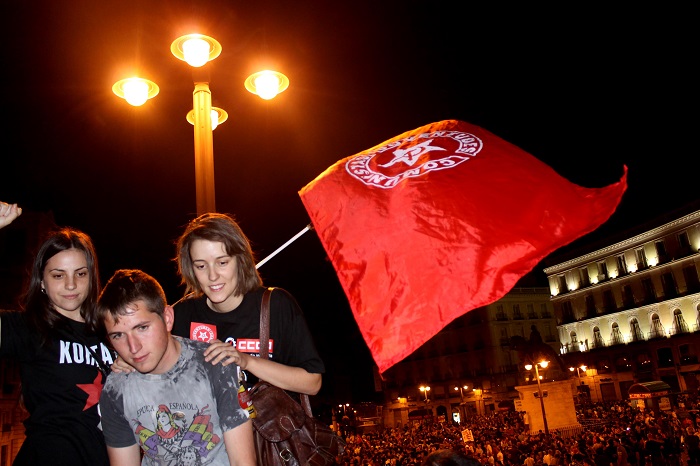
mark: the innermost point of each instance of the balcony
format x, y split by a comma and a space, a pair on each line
617, 339
597, 343
679, 328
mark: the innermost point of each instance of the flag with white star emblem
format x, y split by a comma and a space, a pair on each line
438, 221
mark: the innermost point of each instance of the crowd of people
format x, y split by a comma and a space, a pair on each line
612, 434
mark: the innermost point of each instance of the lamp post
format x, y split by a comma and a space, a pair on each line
479, 399
425, 391
544, 365
197, 50
461, 402
578, 373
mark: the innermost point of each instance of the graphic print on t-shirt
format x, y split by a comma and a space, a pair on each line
202, 332
171, 437
71, 352
207, 332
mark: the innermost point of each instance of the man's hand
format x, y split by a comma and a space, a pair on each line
8, 212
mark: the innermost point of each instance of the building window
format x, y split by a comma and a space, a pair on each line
597, 338
562, 284
585, 279
609, 301
665, 357
661, 251
622, 364
567, 312
501, 313
603, 366
644, 362
641, 259
657, 328
531, 311
679, 324
621, 265
544, 312
692, 283
602, 271
591, 310
669, 285
628, 297
516, 312
686, 355
616, 337
635, 332
649, 292
684, 243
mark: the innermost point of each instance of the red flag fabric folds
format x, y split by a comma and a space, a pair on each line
438, 221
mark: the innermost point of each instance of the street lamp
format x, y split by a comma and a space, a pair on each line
197, 50
461, 393
425, 390
461, 403
583, 368
544, 365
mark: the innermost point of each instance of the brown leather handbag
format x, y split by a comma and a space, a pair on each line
285, 431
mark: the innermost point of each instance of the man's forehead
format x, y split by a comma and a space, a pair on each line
133, 309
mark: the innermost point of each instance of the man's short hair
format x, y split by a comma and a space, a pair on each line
124, 288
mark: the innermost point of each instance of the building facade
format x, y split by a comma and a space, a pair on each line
471, 366
629, 312
624, 314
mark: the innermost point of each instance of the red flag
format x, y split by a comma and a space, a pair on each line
438, 221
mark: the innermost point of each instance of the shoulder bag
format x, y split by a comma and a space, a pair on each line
285, 431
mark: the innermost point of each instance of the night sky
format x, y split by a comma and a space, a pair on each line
586, 91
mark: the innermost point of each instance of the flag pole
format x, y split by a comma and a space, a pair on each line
293, 238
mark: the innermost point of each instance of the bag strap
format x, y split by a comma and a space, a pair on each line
265, 342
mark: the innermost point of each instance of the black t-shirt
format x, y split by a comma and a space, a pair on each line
291, 342
61, 387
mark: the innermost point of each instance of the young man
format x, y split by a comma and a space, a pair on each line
176, 407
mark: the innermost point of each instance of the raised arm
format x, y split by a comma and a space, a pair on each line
8, 212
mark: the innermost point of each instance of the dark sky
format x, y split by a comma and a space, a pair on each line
585, 91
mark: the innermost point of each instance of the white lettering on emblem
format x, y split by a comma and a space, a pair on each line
411, 158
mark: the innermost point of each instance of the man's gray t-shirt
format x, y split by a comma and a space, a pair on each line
178, 417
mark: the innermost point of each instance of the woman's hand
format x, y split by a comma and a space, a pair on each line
8, 212
218, 351
120, 366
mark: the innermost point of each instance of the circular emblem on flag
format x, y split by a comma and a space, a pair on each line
413, 156
202, 333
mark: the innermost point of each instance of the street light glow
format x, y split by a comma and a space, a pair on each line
195, 49
136, 91
196, 52
425, 390
218, 116
267, 83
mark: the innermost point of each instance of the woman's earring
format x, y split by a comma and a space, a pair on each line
43, 290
